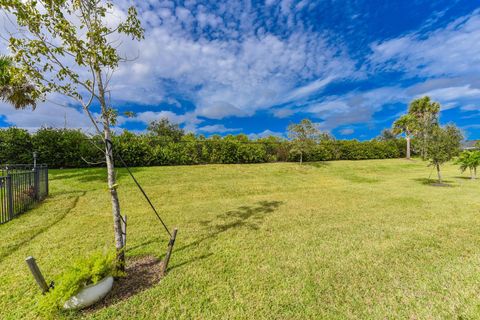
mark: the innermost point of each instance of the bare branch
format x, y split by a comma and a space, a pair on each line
95, 145
92, 163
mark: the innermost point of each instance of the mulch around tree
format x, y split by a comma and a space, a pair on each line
142, 273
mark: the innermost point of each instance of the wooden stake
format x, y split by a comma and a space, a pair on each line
169, 251
32, 265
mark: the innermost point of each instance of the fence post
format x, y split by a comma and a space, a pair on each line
8, 180
36, 183
46, 180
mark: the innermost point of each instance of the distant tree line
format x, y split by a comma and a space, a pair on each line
167, 144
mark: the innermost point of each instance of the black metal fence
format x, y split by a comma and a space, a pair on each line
21, 186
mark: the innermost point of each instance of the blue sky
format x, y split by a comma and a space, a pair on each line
254, 67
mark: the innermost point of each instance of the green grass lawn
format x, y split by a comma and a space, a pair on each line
365, 239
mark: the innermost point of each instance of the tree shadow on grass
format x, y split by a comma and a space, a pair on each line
146, 243
194, 259
434, 182
81, 175
359, 179
91, 174
465, 178
320, 164
145, 272
9, 250
244, 216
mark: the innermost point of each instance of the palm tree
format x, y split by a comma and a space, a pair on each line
469, 160
14, 87
406, 124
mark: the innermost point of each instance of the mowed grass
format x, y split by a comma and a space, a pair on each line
336, 240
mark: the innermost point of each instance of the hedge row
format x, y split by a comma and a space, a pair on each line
64, 148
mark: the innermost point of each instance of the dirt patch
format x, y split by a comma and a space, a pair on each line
142, 273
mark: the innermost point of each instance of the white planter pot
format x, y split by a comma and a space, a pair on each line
90, 294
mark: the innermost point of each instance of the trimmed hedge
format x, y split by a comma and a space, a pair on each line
67, 148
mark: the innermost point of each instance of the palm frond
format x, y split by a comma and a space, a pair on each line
19, 93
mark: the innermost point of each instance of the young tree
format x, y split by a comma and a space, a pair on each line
469, 160
426, 113
406, 124
443, 145
15, 89
303, 136
70, 47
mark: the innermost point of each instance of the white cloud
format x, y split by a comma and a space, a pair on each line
471, 107
235, 74
450, 92
452, 50
354, 107
453, 93
347, 131
283, 112
46, 115
308, 89
217, 128
236, 69
220, 110
449, 59
266, 133
360, 106
222, 61
189, 120
173, 102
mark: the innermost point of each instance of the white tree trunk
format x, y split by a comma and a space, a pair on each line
408, 147
424, 156
117, 218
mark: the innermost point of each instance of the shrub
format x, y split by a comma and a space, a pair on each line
64, 148
251, 153
82, 273
15, 146
325, 151
134, 149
